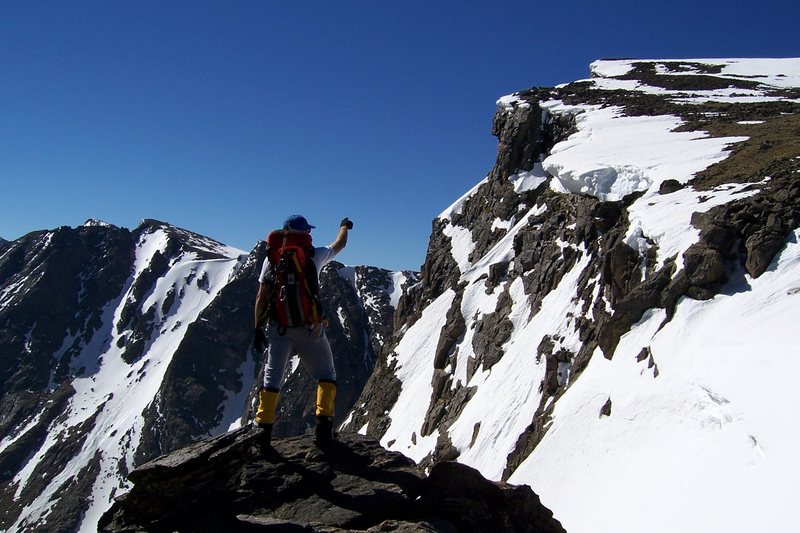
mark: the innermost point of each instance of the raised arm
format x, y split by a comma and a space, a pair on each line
341, 239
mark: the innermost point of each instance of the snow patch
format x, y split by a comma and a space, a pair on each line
456, 207
399, 280
461, 245
528, 180
611, 155
414, 368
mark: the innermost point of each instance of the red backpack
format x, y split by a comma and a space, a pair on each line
294, 286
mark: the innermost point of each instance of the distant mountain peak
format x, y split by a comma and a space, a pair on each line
189, 240
153, 223
95, 222
140, 342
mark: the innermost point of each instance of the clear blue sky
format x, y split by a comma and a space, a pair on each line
224, 117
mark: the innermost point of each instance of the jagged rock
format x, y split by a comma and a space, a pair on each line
451, 334
631, 308
518, 131
606, 409
440, 271
491, 332
229, 483
670, 186
704, 266
717, 235
621, 269
497, 272
761, 247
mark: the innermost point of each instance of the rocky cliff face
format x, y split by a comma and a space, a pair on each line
228, 484
557, 336
550, 261
118, 346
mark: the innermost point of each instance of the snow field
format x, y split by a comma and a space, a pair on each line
612, 155
699, 436
414, 359
702, 445
124, 391
776, 72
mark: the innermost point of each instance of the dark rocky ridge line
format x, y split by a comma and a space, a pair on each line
229, 484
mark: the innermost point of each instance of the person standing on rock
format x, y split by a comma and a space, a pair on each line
288, 315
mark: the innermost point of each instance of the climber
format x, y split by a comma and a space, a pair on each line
288, 314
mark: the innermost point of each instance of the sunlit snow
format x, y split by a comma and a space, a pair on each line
716, 422
700, 434
117, 393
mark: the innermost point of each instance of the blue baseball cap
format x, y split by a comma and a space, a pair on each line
297, 222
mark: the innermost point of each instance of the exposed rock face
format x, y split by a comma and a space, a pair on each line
229, 484
356, 301
555, 233
496, 261
140, 340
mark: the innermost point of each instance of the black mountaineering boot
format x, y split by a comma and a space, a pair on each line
265, 437
326, 396
323, 432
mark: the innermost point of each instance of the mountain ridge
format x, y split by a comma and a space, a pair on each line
613, 204
603, 318
119, 346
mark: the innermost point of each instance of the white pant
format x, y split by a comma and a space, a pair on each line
312, 347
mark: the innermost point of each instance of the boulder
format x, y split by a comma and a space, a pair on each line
230, 483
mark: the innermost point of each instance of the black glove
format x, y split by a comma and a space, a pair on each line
259, 340
347, 223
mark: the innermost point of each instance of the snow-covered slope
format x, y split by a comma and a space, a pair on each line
608, 316
112, 392
699, 436
118, 346
114, 361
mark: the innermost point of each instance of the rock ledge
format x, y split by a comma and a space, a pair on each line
227, 483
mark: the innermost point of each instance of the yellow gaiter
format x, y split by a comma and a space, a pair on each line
326, 396
267, 402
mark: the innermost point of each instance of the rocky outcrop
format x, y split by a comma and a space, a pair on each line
555, 232
229, 483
